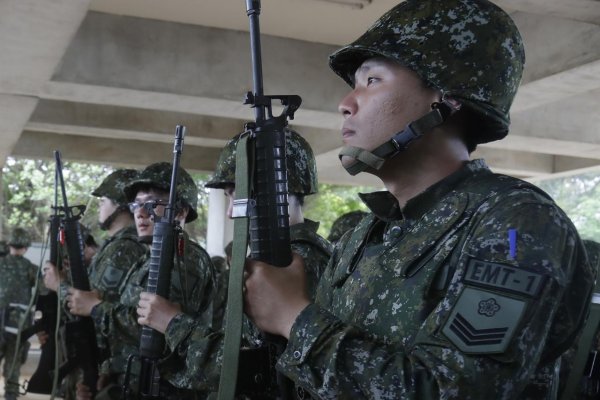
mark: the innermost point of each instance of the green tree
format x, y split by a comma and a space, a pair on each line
579, 197
29, 195
331, 202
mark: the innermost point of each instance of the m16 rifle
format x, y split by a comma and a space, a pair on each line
261, 206
165, 238
80, 336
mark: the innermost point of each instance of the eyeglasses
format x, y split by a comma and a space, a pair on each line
149, 206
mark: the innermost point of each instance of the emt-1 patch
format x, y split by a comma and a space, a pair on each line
483, 322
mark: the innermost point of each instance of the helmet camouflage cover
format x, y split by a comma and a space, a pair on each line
114, 184
158, 175
300, 160
19, 238
470, 50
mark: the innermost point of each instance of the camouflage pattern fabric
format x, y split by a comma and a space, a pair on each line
299, 157
220, 298
470, 50
110, 265
441, 300
192, 286
19, 238
200, 349
114, 184
345, 223
18, 278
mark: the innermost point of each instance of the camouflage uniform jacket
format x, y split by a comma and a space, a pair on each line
192, 286
199, 349
117, 254
18, 278
436, 301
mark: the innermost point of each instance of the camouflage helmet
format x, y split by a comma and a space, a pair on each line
344, 223
158, 175
470, 50
300, 160
112, 186
19, 238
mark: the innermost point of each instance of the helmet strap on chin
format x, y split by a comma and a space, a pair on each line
106, 224
364, 159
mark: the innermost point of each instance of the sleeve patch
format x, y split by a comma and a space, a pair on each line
504, 277
483, 322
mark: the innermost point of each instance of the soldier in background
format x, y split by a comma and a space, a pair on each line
199, 348
412, 305
17, 278
192, 280
114, 259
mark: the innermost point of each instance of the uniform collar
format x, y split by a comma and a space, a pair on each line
385, 206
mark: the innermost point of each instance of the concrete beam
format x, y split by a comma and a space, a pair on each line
135, 153
579, 10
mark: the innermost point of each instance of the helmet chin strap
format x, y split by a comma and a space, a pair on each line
364, 159
106, 224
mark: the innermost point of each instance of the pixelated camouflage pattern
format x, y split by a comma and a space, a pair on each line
110, 265
470, 50
200, 349
192, 286
113, 186
345, 223
301, 165
3, 248
375, 329
18, 278
158, 175
19, 237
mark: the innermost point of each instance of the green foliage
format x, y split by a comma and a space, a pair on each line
331, 202
28, 187
579, 197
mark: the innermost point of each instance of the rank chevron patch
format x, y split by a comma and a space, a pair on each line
483, 322
473, 336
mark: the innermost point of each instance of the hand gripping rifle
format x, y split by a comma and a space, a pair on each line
261, 192
80, 335
165, 237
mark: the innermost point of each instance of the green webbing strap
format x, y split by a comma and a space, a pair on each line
235, 301
583, 349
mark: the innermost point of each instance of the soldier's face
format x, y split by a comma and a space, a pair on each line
386, 97
106, 208
144, 221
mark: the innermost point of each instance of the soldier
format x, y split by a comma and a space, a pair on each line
192, 278
460, 283
118, 252
302, 181
18, 278
345, 223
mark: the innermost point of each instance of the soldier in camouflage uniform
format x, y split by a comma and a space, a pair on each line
192, 278
18, 278
344, 223
202, 348
460, 283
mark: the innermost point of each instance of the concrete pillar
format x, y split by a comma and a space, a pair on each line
219, 227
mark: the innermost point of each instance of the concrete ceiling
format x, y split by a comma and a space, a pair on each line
107, 80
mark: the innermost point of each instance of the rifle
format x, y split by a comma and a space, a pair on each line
263, 201
165, 233
80, 335
41, 380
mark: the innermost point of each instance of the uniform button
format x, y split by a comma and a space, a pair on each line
297, 355
396, 231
